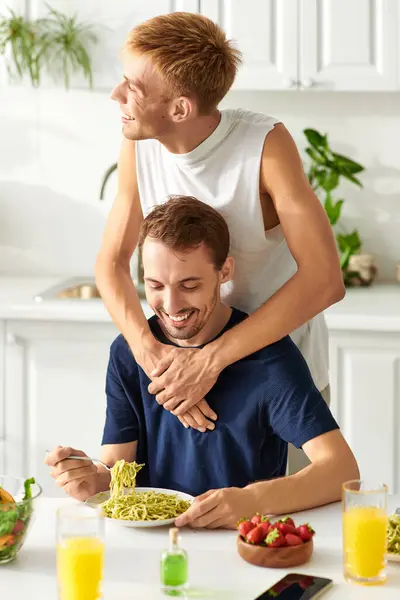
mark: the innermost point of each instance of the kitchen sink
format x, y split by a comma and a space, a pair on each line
73, 288
77, 288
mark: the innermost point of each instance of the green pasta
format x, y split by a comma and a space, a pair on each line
393, 534
127, 504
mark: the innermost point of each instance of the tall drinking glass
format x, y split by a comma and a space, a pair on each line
364, 532
80, 553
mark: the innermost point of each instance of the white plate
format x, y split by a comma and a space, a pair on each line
393, 557
98, 499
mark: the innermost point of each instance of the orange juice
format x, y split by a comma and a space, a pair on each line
364, 542
80, 568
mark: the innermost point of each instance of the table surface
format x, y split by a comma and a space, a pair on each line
216, 570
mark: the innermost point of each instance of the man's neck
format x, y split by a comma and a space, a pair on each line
209, 332
190, 135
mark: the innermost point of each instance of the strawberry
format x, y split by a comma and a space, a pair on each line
265, 526
288, 521
293, 540
286, 528
275, 538
244, 527
256, 519
305, 532
255, 535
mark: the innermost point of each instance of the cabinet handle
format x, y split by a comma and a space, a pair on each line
308, 83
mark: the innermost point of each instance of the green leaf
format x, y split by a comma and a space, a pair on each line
349, 240
315, 139
316, 156
349, 165
328, 180
7, 521
333, 209
27, 487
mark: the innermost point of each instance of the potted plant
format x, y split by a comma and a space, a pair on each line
324, 174
56, 43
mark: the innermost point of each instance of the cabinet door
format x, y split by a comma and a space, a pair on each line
349, 45
111, 22
266, 34
365, 382
55, 392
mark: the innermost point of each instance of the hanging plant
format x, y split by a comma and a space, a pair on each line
64, 44
56, 44
19, 43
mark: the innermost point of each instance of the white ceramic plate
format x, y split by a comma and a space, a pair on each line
393, 557
98, 499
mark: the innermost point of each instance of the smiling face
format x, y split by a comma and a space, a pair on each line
183, 289
146, 108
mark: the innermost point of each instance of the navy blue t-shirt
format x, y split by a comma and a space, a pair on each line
263, 402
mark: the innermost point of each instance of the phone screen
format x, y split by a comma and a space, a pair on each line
295, 586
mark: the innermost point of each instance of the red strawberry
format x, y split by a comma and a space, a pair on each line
275, 538
286, 528
255, 535
256, 519
244, 527
265, 526
288, 521
305, 532
293, 540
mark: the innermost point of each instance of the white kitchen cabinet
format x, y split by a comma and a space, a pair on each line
312, 44
266, 32
55, 392
365, 399
349, 45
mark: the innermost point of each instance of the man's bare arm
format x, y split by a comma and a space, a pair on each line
318, 282
332, 463
112, 268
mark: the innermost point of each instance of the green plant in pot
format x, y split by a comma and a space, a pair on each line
56, 43
324, 174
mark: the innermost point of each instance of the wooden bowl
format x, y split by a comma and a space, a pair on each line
275, 558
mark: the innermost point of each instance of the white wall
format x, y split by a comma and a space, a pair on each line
56, 145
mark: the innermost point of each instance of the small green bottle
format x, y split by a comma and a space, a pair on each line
174, 566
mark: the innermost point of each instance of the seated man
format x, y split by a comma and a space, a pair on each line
263, 401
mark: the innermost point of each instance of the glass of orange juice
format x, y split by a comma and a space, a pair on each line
364, 532
80, 553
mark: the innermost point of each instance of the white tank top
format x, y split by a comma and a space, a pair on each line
224, 172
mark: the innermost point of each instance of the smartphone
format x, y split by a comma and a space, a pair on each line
295, 586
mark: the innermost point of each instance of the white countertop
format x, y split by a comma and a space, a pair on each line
216, 571
376, 308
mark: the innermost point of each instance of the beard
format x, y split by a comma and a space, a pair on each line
196, 321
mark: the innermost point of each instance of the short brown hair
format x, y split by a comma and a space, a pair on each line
183, 223
191, 53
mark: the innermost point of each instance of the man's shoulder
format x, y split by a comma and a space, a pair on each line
249, 118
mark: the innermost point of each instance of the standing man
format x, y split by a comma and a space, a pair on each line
177, 69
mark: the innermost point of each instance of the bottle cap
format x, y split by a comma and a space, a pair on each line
173, 535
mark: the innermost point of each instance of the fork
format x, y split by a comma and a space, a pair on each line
93, 460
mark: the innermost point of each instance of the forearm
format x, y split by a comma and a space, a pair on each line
318, 484
298, 301
122, 302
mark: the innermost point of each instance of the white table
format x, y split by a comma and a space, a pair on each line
216, 570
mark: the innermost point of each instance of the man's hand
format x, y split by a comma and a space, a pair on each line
156, 360
183, 378
79, 479
219, 508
